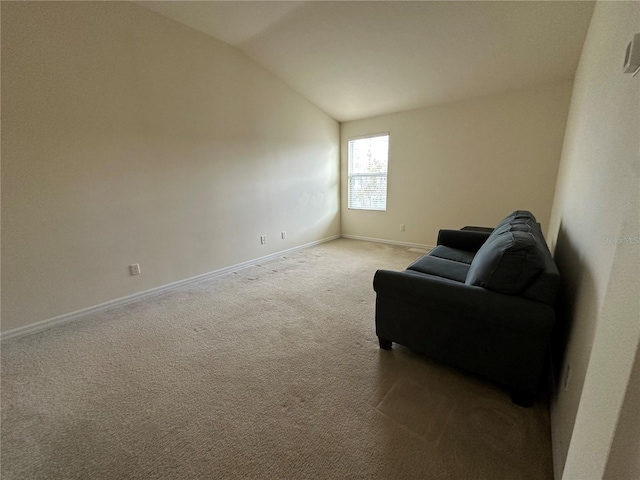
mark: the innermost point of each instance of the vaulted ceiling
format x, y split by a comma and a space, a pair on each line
360, 59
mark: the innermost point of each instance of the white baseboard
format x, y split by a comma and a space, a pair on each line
390, 242
136, 297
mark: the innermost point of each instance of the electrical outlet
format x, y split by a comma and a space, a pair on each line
263, 239
402, 227
284, 235
134, 269
567, 376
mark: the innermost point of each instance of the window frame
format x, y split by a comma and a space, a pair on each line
351, 175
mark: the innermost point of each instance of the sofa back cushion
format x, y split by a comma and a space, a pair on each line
509, 261
519, 216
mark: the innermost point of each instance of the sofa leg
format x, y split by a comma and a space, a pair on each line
522, 398
385, 344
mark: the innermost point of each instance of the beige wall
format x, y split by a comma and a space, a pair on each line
624, 460
465, 163
595, 235
129, 138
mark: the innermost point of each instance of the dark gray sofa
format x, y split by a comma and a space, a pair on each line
480, 301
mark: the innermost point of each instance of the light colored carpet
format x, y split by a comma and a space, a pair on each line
270, 372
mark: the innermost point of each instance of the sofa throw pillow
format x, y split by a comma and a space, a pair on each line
507, 262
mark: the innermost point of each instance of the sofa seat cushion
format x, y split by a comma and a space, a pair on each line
448, 253
508, 262
441, 267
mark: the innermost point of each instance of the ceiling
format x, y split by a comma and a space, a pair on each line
361, 59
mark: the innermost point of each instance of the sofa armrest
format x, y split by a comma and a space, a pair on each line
473, 228
468, 240
462, 300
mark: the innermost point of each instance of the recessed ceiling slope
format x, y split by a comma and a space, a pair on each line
361, 59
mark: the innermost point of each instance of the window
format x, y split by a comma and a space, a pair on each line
368, 161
